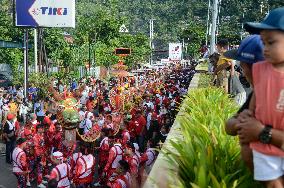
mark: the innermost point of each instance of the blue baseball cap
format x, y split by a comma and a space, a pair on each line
250, 50
273, 21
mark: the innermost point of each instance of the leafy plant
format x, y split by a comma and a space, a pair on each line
206, 155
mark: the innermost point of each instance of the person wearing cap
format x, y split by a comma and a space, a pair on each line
9, 134
249, 52
20, 166
263, 126
61, 172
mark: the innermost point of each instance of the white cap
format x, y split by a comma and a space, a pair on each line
58, 155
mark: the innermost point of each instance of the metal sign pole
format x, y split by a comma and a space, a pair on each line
26, 59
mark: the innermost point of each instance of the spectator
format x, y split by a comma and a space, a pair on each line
9, 134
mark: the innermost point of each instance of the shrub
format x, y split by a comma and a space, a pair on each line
206, 155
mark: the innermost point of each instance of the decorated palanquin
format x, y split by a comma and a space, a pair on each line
68, 117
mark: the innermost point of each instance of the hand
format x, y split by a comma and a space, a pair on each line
245, 115
249, 130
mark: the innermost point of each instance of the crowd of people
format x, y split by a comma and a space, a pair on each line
41, 154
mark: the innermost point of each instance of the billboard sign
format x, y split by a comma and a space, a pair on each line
45, 13
175, 51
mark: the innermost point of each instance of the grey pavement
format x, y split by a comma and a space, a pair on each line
7, 178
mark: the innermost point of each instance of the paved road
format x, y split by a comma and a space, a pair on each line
7, 179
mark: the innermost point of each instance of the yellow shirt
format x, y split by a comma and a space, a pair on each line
13, 108
222, 60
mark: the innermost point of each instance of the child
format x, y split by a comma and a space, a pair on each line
268, 99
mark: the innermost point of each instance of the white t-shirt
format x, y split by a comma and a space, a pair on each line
88, 125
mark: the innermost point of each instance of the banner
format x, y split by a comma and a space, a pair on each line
45, 13
175, 51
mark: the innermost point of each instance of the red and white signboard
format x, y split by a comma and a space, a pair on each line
175, 51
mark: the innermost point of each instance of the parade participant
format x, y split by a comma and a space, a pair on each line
32, 123
104, 146
84, 169
39, 110
122, 178
62, 171
148, 158
88, 122
133, 160
115, 155
108, 122
30, 153
9, 135
57, 138
107, 107
74, 159
40, 154
140, 123
20, 166
124, 134
101, 120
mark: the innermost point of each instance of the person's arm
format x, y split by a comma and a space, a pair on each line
250, 129
252, 103
230, 126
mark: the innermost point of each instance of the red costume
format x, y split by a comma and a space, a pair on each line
84, 170
62, 174
115, 155
20, 166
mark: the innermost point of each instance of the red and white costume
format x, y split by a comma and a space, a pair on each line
74, 160
148, 158
122, 181
104, 151
19, 160
84, 170
115, 155
62, 173
134, 163
125, 136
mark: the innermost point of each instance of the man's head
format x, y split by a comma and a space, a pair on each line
57, 157
21, 142
222, 45
123, 167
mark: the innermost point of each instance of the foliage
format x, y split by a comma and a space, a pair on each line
206, 155
204, 80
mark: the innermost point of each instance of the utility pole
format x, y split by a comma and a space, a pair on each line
207, 24
35, 48
26, 60
214, 26
151, 39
